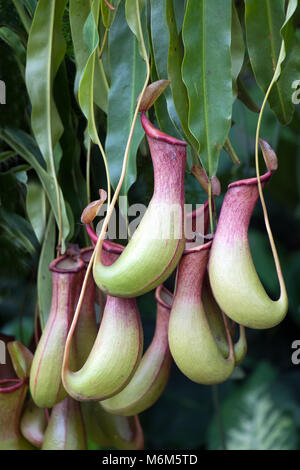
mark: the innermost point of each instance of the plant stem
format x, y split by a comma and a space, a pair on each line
103, 43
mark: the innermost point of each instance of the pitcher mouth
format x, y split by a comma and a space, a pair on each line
164, 297
65, 264
10, 385
86, 254
251, 181
155, 133
197, 249
108, 246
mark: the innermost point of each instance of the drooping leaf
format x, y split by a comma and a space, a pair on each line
90, 83
78, 13
133, 13
161, 111
45, 51
127, 79
175, 57
264, 22
36, 208
207, 76
13, 40
19, 230
23, 14
70, 173
288, 35
26, 147
30, 6
164, 107
44, 279
252, 420
237, 48
6, 155
108, 15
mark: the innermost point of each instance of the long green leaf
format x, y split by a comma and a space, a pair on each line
45, 51
22, 12
206, 72
127, 79
19, 230
70, 173
36, 208
88, 67
161, 111
86, 94
133, 11
237, 48
265, 19
44, 278
14, 41
30, 6
7, 154
288, 35
175, 57
167, 118
78, 13
26, 147
107, 14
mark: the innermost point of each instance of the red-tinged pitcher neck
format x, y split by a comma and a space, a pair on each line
66, 283
191, 272
237, 208
168, 157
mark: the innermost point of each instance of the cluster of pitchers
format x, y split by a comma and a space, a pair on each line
96, 378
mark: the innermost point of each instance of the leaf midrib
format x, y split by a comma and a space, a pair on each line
204, 90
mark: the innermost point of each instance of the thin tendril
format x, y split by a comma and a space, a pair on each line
265, 212
110, 209
88, 172
58, 198
210, 207
98, 142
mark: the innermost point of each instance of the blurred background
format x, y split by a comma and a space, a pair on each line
260, 404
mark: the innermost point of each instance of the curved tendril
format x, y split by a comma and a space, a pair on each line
104, 226
265, 212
